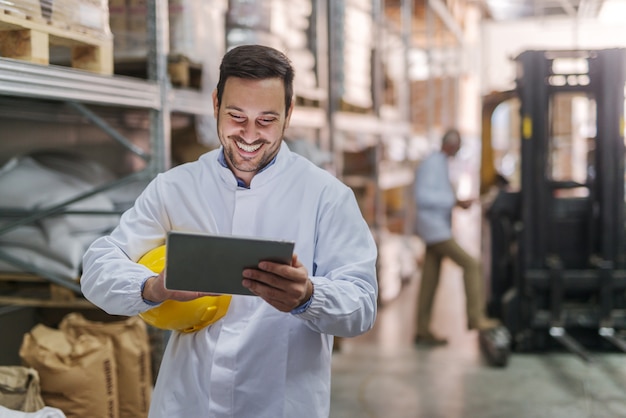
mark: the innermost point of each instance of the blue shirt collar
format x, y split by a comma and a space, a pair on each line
222, 160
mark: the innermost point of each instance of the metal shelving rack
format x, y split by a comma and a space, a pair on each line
373, 125
80, 89
368, 134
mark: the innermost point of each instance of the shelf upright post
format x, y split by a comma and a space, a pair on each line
322, 53
160, 125
377, 96
405, 99
158, 49
430, 82
335, 11
407, 44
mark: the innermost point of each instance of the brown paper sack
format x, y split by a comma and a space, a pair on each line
78, 377
19, 389
132, 356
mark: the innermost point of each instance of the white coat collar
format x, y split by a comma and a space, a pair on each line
282, 159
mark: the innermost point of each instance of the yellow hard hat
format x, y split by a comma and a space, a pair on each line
188, 316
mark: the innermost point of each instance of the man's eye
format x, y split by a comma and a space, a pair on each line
238, 118
266, 121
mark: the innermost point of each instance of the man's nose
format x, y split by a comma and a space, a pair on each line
249, 131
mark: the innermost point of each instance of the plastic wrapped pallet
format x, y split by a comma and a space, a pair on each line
136, 33
90, 16
291, 21
196, 34
118, 12
25, 8
194, 25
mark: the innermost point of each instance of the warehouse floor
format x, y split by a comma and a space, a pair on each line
383, 375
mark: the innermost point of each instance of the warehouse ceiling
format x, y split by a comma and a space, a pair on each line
524, 9
447, 30
515, 9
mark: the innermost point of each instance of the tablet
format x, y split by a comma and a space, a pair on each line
214, 263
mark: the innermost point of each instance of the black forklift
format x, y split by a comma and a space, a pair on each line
552, 182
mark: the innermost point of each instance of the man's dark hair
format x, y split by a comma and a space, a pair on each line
256, 62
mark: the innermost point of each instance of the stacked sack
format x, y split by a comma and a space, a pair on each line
19, 389
41, 180
90, 368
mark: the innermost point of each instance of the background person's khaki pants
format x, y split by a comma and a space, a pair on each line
472, 278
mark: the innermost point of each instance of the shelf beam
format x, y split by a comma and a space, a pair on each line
23, 79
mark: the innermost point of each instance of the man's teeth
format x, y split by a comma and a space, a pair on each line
248, 148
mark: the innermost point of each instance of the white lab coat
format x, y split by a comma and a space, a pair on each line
256, 361
434, 198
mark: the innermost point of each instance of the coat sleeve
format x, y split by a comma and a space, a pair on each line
111, 278
345, 294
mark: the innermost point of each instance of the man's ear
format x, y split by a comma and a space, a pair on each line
216, 105
289, 112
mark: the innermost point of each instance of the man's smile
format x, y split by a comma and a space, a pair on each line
248, 147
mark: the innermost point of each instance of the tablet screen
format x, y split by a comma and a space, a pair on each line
214, 263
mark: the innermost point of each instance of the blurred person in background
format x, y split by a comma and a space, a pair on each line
435, 199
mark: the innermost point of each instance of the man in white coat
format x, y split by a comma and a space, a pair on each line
269, 356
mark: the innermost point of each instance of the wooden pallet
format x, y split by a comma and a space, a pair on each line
23, 289
182, 71
307, 102
348, 107
30, 38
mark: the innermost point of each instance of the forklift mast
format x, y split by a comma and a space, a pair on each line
577, 232
557, 247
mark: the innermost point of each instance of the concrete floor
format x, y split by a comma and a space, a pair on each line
383, 375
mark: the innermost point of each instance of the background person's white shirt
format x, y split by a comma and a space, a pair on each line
434, 198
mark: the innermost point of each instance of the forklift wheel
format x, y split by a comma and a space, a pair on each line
496, 345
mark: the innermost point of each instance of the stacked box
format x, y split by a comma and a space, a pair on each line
89, 16
29, 8
193, 26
